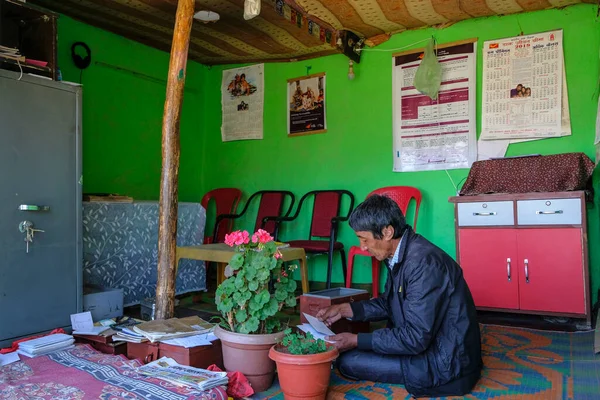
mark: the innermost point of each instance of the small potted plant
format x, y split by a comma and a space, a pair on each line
303, 365
249, 327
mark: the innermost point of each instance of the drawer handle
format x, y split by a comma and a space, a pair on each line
508, 268
549, 212
526, 271
484, 214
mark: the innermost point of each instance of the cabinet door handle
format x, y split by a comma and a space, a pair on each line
549, 212
526, 271
484, 214
508, 268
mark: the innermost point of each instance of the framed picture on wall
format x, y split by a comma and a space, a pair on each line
306, 105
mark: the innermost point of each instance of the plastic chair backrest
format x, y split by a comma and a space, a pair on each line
326, 207
402, 195
271, 204
226, 201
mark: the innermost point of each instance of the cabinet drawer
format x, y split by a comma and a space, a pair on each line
549, 212
490, 213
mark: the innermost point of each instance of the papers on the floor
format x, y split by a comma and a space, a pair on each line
167, 369
160, 330
319, 326
95, 330
46, 344
82, 321
127, 335
9, 358
309, 329
192, 341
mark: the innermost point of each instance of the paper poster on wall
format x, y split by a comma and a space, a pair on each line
306, 105
522, 87
435, 134
242, 101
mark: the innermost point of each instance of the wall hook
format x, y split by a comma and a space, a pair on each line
308, 68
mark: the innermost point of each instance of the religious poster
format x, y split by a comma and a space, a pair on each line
522, 87
306, 105
242, 101
435, 134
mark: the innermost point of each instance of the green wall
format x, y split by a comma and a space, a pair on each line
356, 152
122, 114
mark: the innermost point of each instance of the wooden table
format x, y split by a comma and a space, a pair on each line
222, 253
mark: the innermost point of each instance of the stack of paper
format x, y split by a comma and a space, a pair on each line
46, 344
317, 328
160, 330
204, 339
127, 335
169, 370
13, 54
83, 324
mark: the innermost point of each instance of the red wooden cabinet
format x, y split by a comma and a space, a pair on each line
491, 256
525, 252
552, 278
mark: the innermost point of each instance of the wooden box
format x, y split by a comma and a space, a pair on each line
311, 303
104, 344
199, 356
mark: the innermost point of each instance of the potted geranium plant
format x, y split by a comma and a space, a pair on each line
249, 327
303, 365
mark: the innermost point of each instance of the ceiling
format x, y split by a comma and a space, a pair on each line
272, 36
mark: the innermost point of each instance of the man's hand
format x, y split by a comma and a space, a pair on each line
344, 341
334, 313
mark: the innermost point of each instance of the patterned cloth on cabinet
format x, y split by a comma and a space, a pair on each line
120, 247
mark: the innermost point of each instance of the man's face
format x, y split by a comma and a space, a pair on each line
378, 248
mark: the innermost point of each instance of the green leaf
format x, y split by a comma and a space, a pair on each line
237, 260
254, 304
264, 297
240, 281
271, 308
241, 315
250, 326
290, 301
263, 274
280, 294
250, 272
226, 305
292, 285
253, 285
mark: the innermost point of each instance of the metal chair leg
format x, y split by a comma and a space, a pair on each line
344, 269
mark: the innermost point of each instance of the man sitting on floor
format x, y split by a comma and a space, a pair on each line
432, 341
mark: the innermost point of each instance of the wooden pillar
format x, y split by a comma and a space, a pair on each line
167, 219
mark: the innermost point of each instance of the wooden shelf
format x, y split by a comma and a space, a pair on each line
26, 67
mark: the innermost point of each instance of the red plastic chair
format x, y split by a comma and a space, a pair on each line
402, 195
226, 200
324, 224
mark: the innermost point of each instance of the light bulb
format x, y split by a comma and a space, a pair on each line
350, 70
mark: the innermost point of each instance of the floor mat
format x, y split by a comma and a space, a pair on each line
518, 364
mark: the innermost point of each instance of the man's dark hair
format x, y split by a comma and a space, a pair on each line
375, 213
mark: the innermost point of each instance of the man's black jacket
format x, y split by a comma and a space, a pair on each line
432, 321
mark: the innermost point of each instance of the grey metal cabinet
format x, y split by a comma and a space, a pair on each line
40, 188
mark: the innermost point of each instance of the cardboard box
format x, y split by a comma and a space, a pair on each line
103, 303
199, 356
311, 303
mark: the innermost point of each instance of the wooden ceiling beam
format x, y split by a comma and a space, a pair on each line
234, 25
168, 23
120, 27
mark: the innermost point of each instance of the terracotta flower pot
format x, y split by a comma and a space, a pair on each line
249, 354
303, 376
